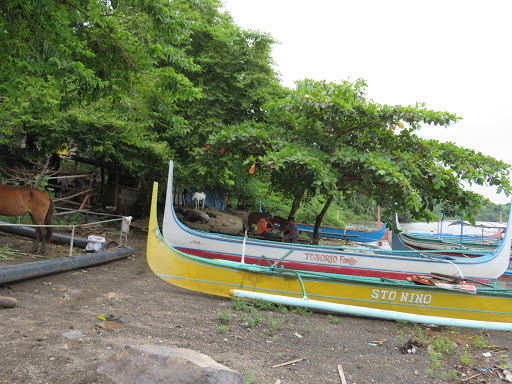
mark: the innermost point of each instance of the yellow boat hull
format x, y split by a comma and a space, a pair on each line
218, 277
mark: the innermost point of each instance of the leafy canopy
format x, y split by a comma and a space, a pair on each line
329, 139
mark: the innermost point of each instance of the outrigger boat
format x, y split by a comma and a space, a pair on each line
328, 259
469, 247
484, 307
445, 243
344, 233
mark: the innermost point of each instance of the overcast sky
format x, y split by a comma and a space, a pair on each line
456, 56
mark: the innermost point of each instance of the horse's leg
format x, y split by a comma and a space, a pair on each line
38, 218
42, 234
39, 237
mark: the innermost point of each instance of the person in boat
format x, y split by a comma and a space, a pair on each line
265, 226
291, 232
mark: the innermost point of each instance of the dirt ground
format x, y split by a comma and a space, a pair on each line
65, 324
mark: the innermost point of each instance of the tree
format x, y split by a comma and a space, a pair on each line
328, 138
236, 78
101, 77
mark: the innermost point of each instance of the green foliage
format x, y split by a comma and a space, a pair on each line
223, 316
302, 311
333, 319
281, 308
326, 139
253, 321
239, 304
478, 341
249, 378
222, 329
135, 76
275, 324
444, 346
466, 359
435, 359
451, 375
263, 305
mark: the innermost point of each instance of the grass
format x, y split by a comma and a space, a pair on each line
465, 358
302, 311
275, 324
263, 305
253, 322
223, 316
443, 345
478, 341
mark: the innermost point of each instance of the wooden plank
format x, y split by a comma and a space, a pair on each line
342, 374
288, 362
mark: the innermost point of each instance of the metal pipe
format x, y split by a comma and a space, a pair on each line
30, 232
370, 312
33, 269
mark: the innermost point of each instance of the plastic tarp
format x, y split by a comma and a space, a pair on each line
215, 198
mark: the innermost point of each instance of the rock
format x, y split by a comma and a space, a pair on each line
150, 364
73, 335
195, 215
8, 302
112, 296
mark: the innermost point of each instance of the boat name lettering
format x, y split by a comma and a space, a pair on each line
401, 297
331, 259
322, 257
195, 242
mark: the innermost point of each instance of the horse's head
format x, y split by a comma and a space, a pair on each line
281, 221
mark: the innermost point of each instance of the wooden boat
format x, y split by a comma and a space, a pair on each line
344, 233
363, 296
341, 260
466, 246
483, 226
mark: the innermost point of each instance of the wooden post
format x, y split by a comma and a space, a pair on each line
117, 186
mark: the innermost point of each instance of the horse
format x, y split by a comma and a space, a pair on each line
15, 201
251, 218
197, 197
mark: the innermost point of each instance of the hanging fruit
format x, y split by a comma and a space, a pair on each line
272, 166
391, 127
252, 169
207, 147
221, 151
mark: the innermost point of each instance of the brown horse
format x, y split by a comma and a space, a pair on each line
253, 218
15, 201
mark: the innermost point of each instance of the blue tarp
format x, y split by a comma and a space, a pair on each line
215, 198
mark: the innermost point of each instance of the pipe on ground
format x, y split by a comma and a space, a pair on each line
17, 272
31, 232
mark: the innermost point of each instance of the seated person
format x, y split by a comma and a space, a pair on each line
265, 226
291, 232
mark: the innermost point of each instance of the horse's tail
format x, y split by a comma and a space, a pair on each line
48, 221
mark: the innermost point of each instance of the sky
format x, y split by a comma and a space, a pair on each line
455, 56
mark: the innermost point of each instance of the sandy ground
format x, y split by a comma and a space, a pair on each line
65, 324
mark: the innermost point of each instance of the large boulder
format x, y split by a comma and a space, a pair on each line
196, 216
151, 364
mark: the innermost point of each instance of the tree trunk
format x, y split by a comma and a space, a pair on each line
296, 201
40, 176
319, 218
